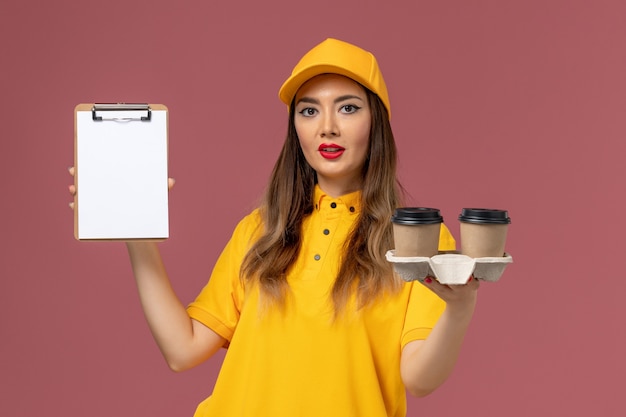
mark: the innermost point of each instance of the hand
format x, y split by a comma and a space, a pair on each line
72, 187
459, 297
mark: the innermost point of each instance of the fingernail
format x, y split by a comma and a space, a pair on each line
428, 280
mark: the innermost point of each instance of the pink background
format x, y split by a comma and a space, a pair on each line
510, 104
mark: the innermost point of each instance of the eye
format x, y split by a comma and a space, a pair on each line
349, 108
308, 112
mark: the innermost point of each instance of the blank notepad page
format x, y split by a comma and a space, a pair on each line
121, 176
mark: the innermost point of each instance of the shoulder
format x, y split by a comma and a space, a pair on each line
246, 232
251, 220
249, 226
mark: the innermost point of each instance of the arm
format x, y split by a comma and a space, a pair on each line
426, 364
183, 341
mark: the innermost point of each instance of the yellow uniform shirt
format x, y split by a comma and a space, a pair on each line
302, 363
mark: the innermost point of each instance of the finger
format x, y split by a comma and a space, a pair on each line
170, 183
72, 189
72, 171
473, 282
445, 290
435, 286
72, 205
476, 283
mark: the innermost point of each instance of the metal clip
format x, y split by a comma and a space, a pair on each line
121, 107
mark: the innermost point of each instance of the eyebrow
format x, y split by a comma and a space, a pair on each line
337, 100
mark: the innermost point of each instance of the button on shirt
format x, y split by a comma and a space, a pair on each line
327, 229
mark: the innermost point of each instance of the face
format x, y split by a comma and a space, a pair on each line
332, 119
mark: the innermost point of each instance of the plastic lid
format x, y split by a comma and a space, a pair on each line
484, 216
416, 215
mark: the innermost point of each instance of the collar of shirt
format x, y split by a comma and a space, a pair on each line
352, 201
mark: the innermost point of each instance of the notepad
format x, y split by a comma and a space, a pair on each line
121, 172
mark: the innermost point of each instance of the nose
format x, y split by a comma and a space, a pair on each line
329, 126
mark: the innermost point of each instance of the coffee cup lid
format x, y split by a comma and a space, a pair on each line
484, 216
416, 215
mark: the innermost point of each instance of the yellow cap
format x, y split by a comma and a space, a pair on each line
337, 57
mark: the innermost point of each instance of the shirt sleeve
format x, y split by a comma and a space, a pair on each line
219, 303
424, 306
424, 309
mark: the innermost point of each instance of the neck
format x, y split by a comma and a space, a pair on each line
338, 188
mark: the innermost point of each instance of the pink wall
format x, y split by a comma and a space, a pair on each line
512, 104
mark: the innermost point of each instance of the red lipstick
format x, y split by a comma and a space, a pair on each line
330, 150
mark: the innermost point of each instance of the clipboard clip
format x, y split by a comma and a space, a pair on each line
120, 107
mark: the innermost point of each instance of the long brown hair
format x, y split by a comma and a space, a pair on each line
289, 199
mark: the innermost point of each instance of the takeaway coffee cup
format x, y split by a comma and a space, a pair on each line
416, 231
483, 232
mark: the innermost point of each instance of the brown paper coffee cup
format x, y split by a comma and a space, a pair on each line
416, 231
483, 232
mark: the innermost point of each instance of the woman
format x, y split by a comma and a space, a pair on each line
315, 322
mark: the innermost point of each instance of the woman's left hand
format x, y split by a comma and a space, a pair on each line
456, 296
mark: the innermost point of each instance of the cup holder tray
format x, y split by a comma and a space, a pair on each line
449, 267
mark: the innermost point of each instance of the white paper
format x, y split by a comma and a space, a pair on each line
121, 169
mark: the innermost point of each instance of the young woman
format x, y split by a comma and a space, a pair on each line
314, 320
